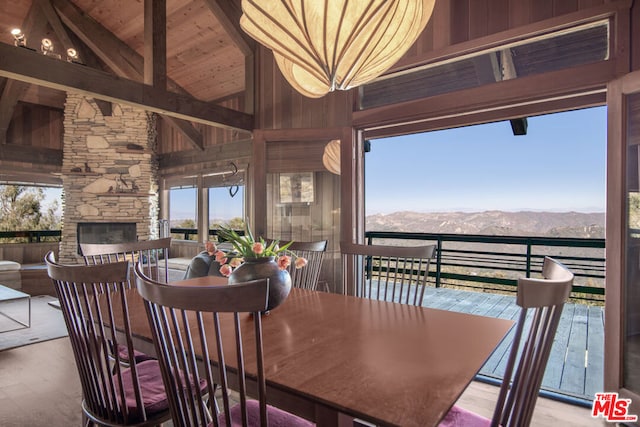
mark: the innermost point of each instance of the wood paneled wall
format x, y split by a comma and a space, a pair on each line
36, 126
279, 106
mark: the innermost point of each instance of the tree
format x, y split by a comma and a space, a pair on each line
187, 223
21, 209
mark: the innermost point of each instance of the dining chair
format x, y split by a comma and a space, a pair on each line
95, 312
387, 273
309, 276
541, 301
153, 253
222, 324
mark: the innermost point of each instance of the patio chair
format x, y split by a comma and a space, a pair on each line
307, 277
153, 253
519, 391
387, 273
218, 323
95, 312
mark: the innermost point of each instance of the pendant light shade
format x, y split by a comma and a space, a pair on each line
331, 156
328, 45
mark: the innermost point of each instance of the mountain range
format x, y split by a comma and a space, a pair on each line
496, 223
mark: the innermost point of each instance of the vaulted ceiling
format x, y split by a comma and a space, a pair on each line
204, 62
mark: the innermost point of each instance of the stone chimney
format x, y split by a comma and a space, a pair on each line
109, 171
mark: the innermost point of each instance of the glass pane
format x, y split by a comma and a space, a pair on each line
183, 212
632, 285
226, 207
563, 49
305, 207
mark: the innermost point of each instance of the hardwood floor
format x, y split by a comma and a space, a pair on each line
39, 386
481, 398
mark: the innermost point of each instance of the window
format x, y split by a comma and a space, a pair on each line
562, 49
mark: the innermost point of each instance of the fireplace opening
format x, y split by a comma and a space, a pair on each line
106, 232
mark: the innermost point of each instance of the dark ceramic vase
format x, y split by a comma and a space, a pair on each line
261, 268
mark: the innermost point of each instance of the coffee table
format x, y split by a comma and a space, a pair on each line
11, 301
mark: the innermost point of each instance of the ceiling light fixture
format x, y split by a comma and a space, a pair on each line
72, 55
19, 39
321, 46
46, 46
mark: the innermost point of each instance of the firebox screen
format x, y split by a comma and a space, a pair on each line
106, 232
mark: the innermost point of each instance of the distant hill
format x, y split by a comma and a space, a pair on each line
497, 223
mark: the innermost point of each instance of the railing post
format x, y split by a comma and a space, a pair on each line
438, 260
528, 273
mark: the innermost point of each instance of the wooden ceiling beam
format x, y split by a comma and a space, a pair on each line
228, 14
155, 62
155, 43
27, 66
125, 61
100, 40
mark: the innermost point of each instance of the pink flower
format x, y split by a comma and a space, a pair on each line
257, 248
226, 270
210, 247
301, 262
236, 262
284, 261
221, 257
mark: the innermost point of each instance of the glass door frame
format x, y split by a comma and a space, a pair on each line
616, 236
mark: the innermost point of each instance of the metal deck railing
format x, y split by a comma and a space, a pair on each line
496, 262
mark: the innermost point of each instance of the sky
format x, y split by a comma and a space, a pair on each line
560, 166
221, 204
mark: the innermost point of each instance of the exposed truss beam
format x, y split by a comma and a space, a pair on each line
155, 43
56, 24
31, 67
126, 62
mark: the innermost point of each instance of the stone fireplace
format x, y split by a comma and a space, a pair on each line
109, 174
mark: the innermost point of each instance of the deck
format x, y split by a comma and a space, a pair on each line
576, 363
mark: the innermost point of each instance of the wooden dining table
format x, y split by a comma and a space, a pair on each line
331, 358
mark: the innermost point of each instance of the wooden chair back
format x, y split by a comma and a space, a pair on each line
220, 323
92, 300
308, 276
153, 253
542, 300
387, 273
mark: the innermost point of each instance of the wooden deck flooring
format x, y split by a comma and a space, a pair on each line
575, 366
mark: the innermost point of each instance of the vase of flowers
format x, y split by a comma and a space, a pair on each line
251, 259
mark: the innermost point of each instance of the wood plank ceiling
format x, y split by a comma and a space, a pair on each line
205, 55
